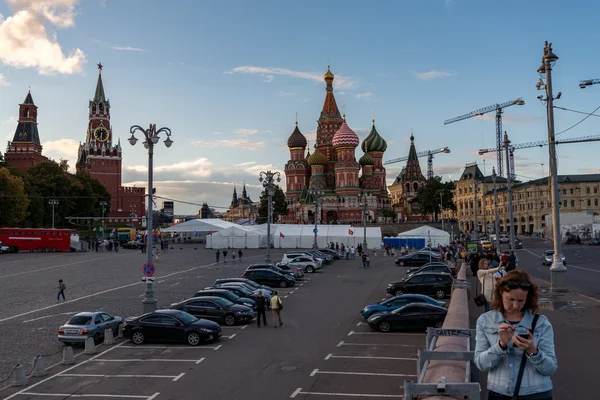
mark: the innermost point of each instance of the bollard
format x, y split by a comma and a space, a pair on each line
19, 378
90, 346
109, 337
68, 357
39, 369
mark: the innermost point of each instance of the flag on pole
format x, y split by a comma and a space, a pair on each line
94, 230
350, 232
281, 235
210, 233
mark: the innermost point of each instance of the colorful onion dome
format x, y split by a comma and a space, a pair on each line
345, 137
317, 158
366, 159
373, 141
296, 139
328, 74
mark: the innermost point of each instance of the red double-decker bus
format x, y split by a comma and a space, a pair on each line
36, 239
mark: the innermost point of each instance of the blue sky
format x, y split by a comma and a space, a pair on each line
228, 77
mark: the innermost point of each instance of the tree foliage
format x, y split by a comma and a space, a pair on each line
13, 207
279, 205
428, 197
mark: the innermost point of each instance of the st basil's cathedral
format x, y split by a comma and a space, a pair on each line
332, 170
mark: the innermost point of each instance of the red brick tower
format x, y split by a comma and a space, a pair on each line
297, 170
25, 150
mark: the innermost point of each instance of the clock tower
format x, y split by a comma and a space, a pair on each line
101, 158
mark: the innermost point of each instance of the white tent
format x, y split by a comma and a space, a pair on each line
437, 236
237, 237
199, 226
290, 236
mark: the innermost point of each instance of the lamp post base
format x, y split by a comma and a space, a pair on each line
149, 301
268, 258
558, 278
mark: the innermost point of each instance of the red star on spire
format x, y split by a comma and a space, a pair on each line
99, 66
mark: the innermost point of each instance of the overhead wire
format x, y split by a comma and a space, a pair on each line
573, 126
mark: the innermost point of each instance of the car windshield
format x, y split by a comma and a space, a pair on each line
549, 252
185, 318
80, 320
223, 302
230, 296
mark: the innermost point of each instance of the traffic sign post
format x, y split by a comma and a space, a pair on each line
148, 269
315, 230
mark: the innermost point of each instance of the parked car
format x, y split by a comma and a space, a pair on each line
268, 293
170, 326
411, 316
269, 277
335, 255
327, 258
287, 257
306, 263
215, 308
416, 259
429, 283
88, 324
238, 291
132, 244
594, 242
518, 244
226, 294
397, 302
486, 244
245, 281
272, 268
432, 267
297, 271
5, 249
548, 258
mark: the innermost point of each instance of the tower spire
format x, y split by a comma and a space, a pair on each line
99, 95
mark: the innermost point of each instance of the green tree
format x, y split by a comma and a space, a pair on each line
428, 197
279, 205
13, 209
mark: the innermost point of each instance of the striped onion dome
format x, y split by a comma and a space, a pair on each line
345, 137
317, 158
373, 142
296, 139
366, 159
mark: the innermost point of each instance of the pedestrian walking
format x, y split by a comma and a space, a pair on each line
347, 253
364, 260
240, 254
367, 261
233, 256
485, 274
261, 308
224, 256
506, 343
61, 290
352, 253
276, 307
218, 254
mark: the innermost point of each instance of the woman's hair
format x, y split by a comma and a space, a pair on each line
512, 280
482, 261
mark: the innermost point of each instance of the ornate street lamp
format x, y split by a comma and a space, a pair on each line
363, 196
316, 193
497, 222
268, 181
53, 202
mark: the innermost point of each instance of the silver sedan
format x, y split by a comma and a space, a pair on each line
88, 324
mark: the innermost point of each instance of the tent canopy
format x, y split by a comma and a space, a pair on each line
437, 236
200, 226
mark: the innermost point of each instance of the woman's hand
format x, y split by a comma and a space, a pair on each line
505, 332
525, 343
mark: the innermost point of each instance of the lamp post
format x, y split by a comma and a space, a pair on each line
511, 216
558, 272
442, 207
364, 195
53, 202
268, 181
475, 235
103, 205
151, 137
316, 193
132, 213
496, 222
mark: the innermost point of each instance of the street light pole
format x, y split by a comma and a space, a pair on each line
54, 202
442, 207
558, 272
151, 137
364, 194
316, 193
511, 216
496, 222
268, 181
103, 205
475, 235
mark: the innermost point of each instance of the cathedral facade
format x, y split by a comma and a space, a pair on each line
101, 158
331, 175
242, 208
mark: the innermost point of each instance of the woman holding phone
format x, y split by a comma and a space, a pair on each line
515, 345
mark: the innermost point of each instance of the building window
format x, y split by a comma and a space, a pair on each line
570, 191
541, 204
589, 203
587, 190
564, 203
595, 202
572, 203
564, 191
595, 190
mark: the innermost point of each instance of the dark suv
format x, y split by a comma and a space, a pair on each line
269, 277
428, 283
215, 308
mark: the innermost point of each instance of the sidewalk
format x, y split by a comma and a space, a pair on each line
576, 322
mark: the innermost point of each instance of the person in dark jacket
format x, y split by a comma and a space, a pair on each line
261, 308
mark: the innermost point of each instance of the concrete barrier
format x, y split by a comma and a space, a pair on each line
68, 357
457, 318
109, 337
39, 367
90, 346
19, 378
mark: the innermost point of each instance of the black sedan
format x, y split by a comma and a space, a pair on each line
432, 267
416, 259
417, 316
226, 294
429, 283
170, 326
216, 309
269, 277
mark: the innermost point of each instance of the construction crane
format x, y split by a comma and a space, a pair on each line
428, 153
494, 107
588, 82
541, 143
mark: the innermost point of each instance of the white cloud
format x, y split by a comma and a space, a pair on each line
25, 42
245, 164
237, 143
3, 81
342, 93
245, 131
62, 149
269, 73
431, 75
282, 93
217, 133
366, 95
200, 167
11, 121
127, 48
268, 78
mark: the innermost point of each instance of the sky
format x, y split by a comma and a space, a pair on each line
228, 77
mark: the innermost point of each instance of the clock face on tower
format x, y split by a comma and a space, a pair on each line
101, 134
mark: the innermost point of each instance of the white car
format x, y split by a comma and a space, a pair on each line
305, 262
504, 239
548, 258
287, 257
4, 249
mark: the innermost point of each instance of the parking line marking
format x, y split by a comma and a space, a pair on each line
170, 347
316, 371
179, 377
350, 333
230, 336
386, 333
173, 377
359, 323
49, 316
146, 360
200, 360
372, 358
285, 297
342, 343
387, 396
217, 348
244, 327
123, 396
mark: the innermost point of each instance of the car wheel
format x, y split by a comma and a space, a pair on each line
229, 320
440, 294
40, 250
138, 337
397, 292
384, 326
118, 329
283, 284
439, 324
193, 339
310, 269
401, 263
97, 338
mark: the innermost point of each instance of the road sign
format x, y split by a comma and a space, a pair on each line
148, 269
148, 279
144, 222
315, 230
